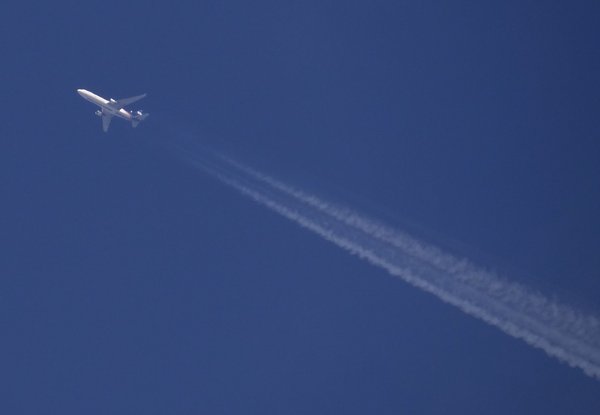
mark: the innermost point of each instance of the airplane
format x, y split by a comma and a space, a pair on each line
114, 107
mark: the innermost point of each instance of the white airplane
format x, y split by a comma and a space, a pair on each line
111, 107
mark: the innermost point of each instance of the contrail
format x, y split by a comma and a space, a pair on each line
559, 330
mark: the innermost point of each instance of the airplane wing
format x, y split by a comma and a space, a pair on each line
120, 103
106, 121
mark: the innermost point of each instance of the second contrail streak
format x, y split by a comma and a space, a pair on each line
559, 330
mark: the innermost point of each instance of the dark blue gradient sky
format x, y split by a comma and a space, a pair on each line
132, 284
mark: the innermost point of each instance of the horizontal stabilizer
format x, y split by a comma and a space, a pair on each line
137, 117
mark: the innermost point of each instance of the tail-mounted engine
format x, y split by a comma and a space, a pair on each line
137, 117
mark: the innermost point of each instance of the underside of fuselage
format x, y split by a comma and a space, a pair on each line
118, 113
111, 108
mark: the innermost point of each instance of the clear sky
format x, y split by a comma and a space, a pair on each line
133, 284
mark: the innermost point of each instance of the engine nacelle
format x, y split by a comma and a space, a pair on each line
98, 113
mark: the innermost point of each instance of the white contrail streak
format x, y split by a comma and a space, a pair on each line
559, 330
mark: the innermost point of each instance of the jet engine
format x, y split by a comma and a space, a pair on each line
98, 113
137, 117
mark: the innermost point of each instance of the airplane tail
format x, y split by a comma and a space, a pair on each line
137, 117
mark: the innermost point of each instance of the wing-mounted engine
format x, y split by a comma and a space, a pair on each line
98, 113
112, 101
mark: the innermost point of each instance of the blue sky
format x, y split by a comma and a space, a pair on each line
131, 283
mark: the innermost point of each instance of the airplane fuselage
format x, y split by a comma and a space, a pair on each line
104, 104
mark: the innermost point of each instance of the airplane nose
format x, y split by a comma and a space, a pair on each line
80, 91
